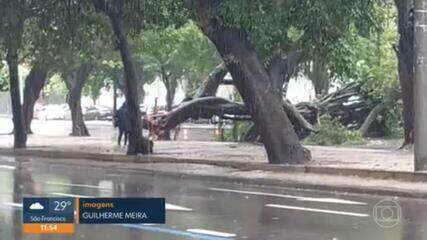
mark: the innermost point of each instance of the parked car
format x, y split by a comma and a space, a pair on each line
97, 113
67, 111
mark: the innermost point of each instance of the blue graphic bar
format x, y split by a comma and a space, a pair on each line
121, 210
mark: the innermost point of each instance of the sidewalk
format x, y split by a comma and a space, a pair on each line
360, 170
351, 158
53, 135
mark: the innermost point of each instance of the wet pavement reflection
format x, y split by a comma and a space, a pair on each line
248, 212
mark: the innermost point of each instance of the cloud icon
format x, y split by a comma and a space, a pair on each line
36, 206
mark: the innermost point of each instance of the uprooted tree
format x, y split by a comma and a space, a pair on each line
347, 105
259, 84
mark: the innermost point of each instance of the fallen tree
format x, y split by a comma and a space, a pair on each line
348, 105
207, 107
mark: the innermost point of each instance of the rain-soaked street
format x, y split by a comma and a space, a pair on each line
194, 208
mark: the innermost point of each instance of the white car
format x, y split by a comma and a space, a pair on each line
53, 112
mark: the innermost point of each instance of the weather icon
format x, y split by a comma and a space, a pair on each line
36, 206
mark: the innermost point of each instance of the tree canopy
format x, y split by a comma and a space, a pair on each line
125, 44
181, 54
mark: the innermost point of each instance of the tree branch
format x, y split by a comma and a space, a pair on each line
210, 85
281, 68
201, 108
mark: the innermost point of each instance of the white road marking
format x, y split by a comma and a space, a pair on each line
330, 200
353, 214
7, 167
212, 233
12, 204
173, 207
77, 185
298, 198
71, 195
253, 193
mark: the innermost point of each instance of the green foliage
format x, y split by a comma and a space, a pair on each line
94, 87
109, 71
394, 122
164, 13
198, 55
370, 60
382, 75
354, 38
330, 133
4, 79
12, 17
55, 91
312, 26
4, 75
176, 54
236, 133
141, 15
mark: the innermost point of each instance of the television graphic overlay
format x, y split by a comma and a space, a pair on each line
48, 215
61, 215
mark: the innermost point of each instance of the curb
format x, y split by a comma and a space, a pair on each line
270, 183
291, 184
363, 173
380, 190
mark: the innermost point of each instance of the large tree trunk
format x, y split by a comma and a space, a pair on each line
319, 70
141, 92
170, 96
20, 135
75, 84
282, 69
14, 29
33, 85
114, 10
319, 77
171, 86
114, 103
261, 93
405, 54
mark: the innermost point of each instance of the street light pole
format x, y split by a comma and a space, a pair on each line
420, 91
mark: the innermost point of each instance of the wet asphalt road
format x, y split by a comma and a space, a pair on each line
248, 212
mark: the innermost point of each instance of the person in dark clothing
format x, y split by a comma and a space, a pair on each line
123, 123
